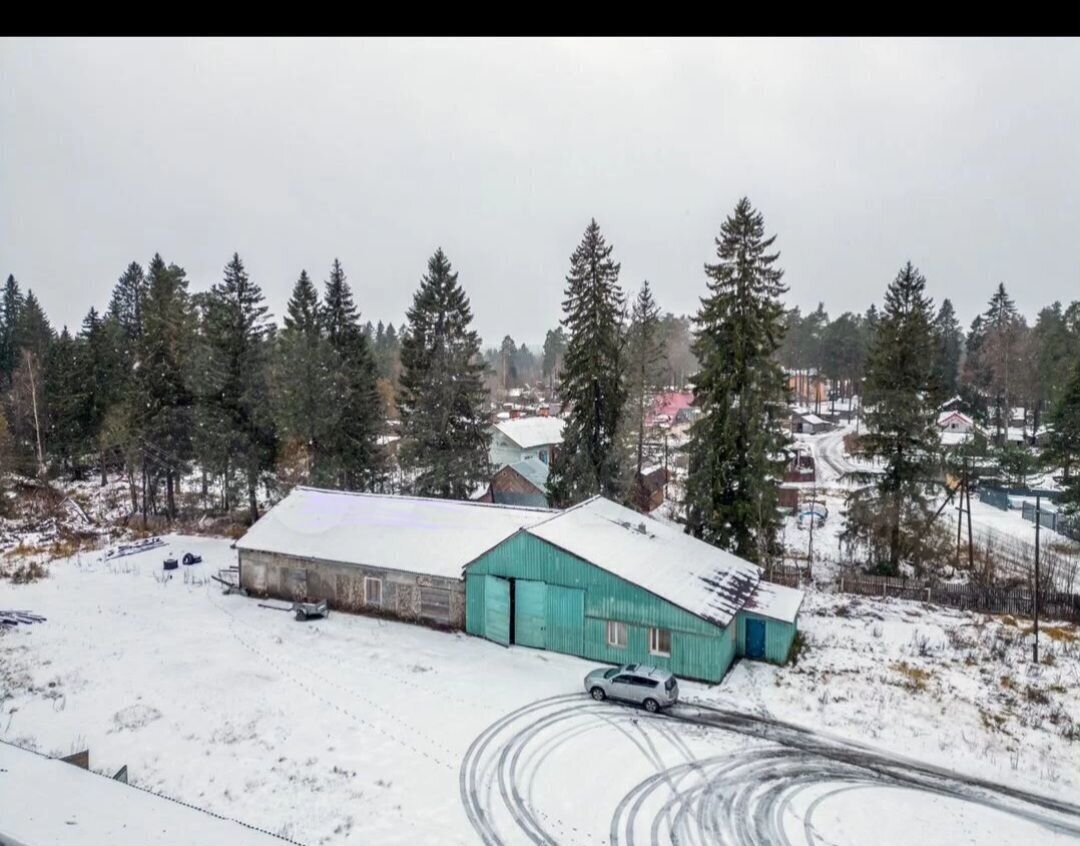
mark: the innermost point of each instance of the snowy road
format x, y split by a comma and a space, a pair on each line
833, 460
788, 786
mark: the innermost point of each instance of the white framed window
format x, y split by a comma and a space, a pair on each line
660, 642
372, 590
616, 634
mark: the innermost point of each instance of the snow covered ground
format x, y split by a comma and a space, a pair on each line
358, 730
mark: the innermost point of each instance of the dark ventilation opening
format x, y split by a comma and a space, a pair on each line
513, 599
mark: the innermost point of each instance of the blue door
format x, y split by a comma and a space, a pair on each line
530, 613
497, 610
755, 638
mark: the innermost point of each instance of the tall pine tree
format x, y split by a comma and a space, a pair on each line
736, 446
67, 399
949, 343
305, 379
645, 362
590, 460
162, 399
103, 345
444, 437
352, 458
11, 305
891, 517
1063, 441
233, 384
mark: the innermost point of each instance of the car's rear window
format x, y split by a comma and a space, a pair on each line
670, 684
611, 672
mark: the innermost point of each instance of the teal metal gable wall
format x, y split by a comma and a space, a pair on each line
592, 596
778, 636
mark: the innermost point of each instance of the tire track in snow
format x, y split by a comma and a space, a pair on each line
747, 797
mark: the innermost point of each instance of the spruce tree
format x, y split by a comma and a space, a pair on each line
444, 435
11, 305
305, 379
32, 330
554, 353
128, 296
949, 342
353, 457
1063, 439
103, 345
590, 460
998, 354
736, 446
67, 380
645, 358
233, 384
891, 517
161, 395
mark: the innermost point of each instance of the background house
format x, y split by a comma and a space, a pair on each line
523, 483
523, 438
807, 424
649, 489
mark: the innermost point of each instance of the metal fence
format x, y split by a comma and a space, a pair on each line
1019, 602
1056, 521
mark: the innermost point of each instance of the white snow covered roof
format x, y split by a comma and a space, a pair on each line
812, 419
528, 432
708, 582
413, 534
945, 416
775, 601
47, 802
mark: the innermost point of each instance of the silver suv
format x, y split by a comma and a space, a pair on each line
649, 686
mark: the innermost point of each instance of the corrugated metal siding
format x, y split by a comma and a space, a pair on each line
778, 636
565, 620
524, 556
692, 655
699, 649
474, 605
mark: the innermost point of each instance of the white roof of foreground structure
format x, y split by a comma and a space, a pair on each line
47, 802
696, 576
413, 534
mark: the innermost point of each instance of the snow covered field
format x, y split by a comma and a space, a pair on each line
352, 729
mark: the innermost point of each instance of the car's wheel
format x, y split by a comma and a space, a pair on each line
652, 706
598, 694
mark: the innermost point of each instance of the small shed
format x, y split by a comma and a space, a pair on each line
390, 556
807, 424
606, 583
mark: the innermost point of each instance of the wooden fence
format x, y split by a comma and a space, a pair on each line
1019, 602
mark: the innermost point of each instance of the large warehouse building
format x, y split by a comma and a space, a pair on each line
597, 580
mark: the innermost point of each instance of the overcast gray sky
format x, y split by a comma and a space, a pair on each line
963, 156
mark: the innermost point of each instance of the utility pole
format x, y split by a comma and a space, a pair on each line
813, 519
960, 510
971, 542
1038, 520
